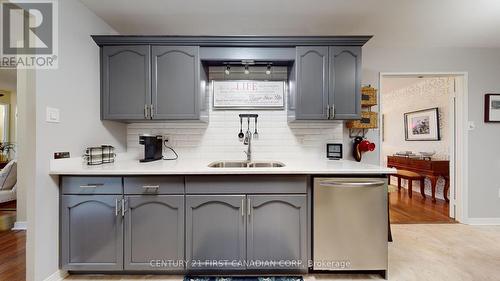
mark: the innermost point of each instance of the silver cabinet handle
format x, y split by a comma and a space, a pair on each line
151, 186
332, 113
243, 207
151, 111
351, 184
116, 207
249, 207
327, 111
91, 185
123, 207
146, 110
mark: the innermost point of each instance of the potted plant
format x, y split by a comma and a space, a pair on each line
5, 149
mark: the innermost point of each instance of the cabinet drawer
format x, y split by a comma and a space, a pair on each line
246, 184
153, 185
91, 185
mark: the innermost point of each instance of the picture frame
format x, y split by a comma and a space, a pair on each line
422, 125
492, 108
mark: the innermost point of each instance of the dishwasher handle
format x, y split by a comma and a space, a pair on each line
351, 184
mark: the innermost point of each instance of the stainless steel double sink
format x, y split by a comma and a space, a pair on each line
246, 164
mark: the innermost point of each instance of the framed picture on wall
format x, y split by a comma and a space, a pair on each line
492, 108
422, 125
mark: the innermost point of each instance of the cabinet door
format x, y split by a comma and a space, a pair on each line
215, 228
176, 76
312, 83
125, 82
154, 232
91, 233
277, 231
345, 82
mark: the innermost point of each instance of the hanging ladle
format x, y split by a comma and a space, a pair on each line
241, 135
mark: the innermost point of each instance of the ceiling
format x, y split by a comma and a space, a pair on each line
429, 23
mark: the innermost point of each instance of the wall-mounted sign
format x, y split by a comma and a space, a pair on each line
249, 94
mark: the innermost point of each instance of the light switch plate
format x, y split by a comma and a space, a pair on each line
53, 115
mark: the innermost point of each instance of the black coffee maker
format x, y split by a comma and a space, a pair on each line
153, 147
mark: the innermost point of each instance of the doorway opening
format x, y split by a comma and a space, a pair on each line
423, 121
8, 148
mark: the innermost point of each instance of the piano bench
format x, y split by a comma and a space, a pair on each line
410, 176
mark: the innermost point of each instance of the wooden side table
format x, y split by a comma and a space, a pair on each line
432, 169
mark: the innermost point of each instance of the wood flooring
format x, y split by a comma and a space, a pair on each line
12, 250
404, 209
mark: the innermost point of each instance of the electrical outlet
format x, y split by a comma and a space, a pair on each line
166, 138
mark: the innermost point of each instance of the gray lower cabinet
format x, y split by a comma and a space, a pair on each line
328, 82
176, 82
215, 227
276, 232
125, 82
91, 233
154, 232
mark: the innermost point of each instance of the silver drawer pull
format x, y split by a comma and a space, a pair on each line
91, 185
249, 207
151, 186
351, 184
123, 207
116, 207
243, 207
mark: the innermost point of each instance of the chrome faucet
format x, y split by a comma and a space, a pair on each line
248, 142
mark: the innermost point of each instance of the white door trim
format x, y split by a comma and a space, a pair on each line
460, 138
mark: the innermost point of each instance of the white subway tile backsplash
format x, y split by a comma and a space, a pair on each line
278, 139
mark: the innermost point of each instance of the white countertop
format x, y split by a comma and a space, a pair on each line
125, 165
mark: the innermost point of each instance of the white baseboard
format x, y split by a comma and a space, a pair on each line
20, 225
482, 221
57, 276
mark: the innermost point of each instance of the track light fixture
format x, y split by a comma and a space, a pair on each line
268, 70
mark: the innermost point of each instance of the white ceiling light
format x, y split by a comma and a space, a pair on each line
268, 70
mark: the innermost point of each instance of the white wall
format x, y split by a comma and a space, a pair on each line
421, 94
483, 67
426, 93
74, 89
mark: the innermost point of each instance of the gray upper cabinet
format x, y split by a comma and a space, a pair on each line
154, 231
277, 231
328, 83
175, 82
125, 82
345, 82
312, 83
215, 227
91, 233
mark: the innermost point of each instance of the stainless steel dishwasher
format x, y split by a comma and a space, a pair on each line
350, 224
